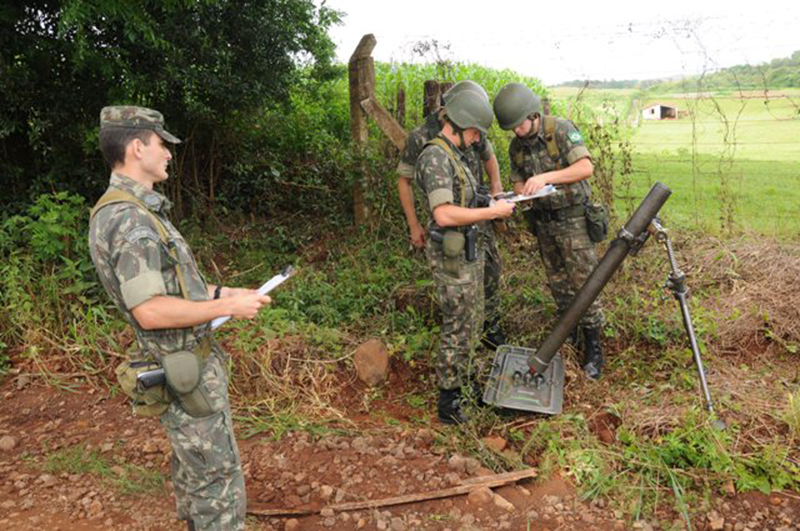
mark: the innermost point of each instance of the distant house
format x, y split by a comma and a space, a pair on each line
659, 112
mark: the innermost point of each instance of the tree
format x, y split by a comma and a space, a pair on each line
209, 65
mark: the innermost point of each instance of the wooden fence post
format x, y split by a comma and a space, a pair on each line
401, 106
361, 71
430, 102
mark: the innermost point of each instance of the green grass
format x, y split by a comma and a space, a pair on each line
732, 161
127, 478
763, 196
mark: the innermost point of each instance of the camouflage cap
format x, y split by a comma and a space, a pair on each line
136, 118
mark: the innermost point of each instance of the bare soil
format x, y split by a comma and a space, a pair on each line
299, 472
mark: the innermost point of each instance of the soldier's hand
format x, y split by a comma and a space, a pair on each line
417, 236
502, 208
246, 305
534, 184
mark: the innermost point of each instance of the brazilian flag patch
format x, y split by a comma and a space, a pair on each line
574, 137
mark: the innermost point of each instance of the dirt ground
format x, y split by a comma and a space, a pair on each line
296, 473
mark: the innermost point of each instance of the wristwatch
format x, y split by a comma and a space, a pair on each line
217, 292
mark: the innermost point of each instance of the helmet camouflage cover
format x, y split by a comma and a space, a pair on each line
466, 84
514, 103
468, 109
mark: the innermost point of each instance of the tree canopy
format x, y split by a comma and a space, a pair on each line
209, 66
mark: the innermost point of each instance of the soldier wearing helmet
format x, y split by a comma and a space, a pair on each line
550, 150
480, 157
455, 246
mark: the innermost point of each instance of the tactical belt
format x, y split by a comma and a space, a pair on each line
559, 214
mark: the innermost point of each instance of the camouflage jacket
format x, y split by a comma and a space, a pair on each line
430, 129
529, 157
437, 176
134, 265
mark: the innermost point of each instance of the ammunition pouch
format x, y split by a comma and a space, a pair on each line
596, 221
453, 243
183, 370
147, 402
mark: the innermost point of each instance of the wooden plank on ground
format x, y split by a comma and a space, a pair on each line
466, 486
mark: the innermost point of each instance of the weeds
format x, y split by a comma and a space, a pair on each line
127, 478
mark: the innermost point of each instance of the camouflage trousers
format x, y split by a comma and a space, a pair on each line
461, 304
206, 469
569, 258
491, 276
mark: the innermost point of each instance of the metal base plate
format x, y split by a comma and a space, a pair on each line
511, 384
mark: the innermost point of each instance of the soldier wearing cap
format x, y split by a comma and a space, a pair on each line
455, 248
480, 157
150, 273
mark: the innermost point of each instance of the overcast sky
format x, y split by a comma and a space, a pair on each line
557, 41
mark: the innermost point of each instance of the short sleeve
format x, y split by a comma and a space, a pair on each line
137, 260
435, 172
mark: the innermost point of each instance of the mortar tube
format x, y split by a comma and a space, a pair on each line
619, 248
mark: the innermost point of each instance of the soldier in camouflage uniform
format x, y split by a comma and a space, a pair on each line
164, 297
479, 157
550, 150
443, 174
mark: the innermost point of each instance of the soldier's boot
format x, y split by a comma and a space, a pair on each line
493, 335
449, 407
592, 353
190, 525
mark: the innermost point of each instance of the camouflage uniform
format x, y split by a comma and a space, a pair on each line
460, 295
134, 266
476, 155
567, 252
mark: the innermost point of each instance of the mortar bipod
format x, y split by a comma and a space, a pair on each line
676, 283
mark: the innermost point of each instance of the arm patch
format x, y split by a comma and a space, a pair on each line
141, 232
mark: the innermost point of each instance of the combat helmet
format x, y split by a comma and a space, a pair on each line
466, 84
468, 109
514, 103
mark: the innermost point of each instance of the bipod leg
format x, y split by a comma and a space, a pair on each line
676, 283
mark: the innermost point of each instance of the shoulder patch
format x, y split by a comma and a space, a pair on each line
574, 136
139, 233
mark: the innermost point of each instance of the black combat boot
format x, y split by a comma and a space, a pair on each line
449, 407
493, 335
592, 353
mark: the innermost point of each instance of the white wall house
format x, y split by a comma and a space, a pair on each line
659, 112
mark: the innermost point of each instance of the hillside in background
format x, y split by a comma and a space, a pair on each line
778, 73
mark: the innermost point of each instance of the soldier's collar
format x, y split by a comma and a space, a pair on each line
154, 201
454, 147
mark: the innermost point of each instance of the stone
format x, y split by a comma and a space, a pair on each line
326, 492
326, 512
503, 503
716, 524
371, 360
293, 524
495, 443
7, 443
480, 496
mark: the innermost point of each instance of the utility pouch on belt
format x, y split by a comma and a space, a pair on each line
596, 221
150, 402
183, 371
453, 244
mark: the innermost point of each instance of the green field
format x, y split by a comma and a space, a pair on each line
732, 160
